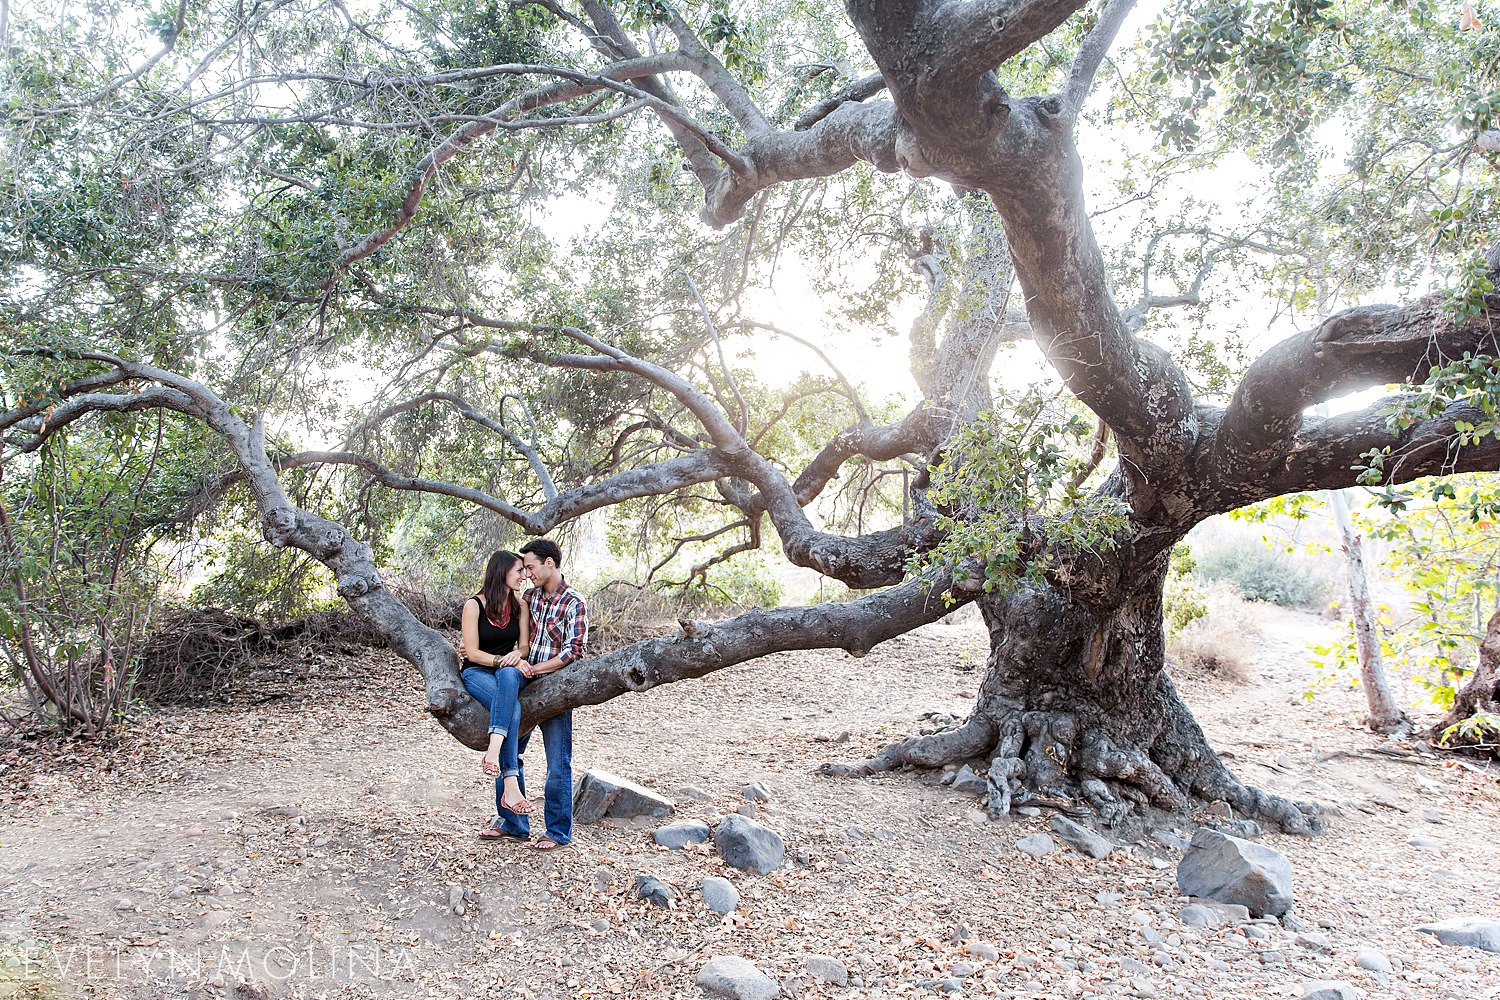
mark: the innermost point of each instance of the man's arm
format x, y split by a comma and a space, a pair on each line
575, 636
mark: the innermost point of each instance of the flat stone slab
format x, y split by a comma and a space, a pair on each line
1080, 838
600, 794
1036, 845
676, 836
1471, 930
735, 977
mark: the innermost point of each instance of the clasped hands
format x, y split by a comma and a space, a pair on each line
511, 659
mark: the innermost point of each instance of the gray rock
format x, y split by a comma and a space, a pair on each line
1245, 829
693, 792
1314, 941
1372, 961
1169, 840
179, 892
1198, 915
748, 846
734, 977
1231, 870
1433, 816
719, 894
1036, 845
600, 924
600, 794
1080, 838
828, 969
1328, 989
756, 792
653, 890
1471, 930
456, 899
1134, 968
676, 836
1425, 843
1290, 921
966, 781
984, 951
749, 809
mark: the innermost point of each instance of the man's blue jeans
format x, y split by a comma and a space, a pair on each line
500, 691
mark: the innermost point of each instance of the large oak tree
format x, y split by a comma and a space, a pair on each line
219, 210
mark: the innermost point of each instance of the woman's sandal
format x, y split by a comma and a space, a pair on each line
521, 807
493, 832
491, 768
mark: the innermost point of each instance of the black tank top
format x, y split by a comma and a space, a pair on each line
495, 639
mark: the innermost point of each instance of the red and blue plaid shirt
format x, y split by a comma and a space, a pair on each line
559, 624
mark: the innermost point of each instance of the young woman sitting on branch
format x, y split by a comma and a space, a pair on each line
496, 628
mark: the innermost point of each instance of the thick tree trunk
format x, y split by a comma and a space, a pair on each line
1385, 715
1077, 713
1480, 694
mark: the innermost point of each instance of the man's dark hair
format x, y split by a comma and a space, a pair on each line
544, 549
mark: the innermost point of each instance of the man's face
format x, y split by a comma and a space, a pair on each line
535, 569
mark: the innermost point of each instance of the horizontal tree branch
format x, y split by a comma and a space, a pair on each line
1356, 349
850, 134
702, 647
853, 92
549, 488
1325, 452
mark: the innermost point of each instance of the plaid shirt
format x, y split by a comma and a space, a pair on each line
559, 624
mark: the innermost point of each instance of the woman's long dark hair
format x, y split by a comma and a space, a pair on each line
494, 593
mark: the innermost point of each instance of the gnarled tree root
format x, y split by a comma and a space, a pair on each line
1050, 759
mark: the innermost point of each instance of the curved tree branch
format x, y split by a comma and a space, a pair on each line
1325, 453
1356, 349
920, 431
549, 488
853, 92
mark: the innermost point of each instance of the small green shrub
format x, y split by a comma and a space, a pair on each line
1260, 574
1184, 600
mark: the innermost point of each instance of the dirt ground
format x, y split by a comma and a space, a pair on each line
311, 845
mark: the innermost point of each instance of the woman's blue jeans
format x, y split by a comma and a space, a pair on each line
500, 691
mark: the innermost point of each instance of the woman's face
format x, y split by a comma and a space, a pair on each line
515, 575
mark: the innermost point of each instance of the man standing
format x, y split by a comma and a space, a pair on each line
559, 629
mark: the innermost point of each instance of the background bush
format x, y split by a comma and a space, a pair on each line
1260, 574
